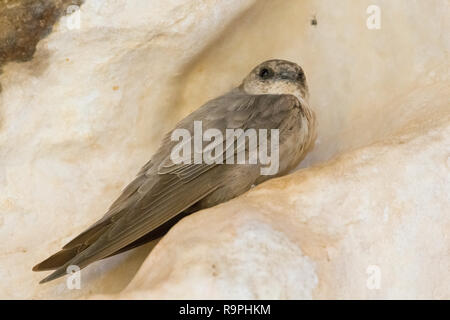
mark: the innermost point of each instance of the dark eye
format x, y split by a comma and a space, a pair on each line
265, 73
301, 76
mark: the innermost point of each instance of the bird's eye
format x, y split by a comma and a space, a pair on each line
301, 76
265, 73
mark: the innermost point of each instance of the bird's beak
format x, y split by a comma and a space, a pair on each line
287, 75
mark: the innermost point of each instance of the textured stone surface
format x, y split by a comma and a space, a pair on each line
79, 120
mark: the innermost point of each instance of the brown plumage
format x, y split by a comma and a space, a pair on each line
273, 96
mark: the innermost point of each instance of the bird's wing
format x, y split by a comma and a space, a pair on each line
163, 189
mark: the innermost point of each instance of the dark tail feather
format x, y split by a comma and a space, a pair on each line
56, 274
57, 260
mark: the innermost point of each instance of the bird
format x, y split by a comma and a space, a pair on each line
274, 95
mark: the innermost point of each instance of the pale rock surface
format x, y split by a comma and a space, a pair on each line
78, 121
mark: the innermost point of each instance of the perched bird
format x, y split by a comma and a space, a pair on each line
273, 96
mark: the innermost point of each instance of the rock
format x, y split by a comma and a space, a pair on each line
79, 120
372, 223
367, 219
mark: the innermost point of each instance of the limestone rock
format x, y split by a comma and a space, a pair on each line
373, 223
24, 22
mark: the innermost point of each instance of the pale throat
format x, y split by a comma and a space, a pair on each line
277, 87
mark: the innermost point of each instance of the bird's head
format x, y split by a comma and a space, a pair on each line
277, 77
